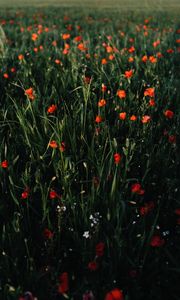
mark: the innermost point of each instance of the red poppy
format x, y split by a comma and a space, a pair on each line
53, 195
92, 265
5, 75
62, 147
144, 210
103, 87
48, 234
4, 164
52, 109
30, 93
157, 241
100, 249
98, 119
169, 114
25, 194
128, 74
117, 158
115, 294
172, 139
64, 283
136, 188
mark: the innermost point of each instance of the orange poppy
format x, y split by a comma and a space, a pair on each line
122, 116
133, 118
102, 103
121, 94
149, 92
53, 144
52, 109
30, 93
98, 119
66, 36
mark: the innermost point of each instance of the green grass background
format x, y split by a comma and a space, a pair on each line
127, 4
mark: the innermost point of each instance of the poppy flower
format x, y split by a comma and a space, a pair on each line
109, 49
25, 194
20, 56
64, 283
144, 58
98, 119
87, 79
111, 57
92, 265
30, 93
151, 102
53, 195
157, 241
4, 164
104, 61
169, 114
144, 210
172, 139
131, 49
115, 294
117, 158
152, 59
103, 87
53, 144
82, 47
102, 103
78, 38
5, 75
145, 119
130, 59
136, 188
128, 74
122, 116
66, 36
48, 234
52, 109
100, 249
121, 94
149, 92
133, 118
62, 147
34, 37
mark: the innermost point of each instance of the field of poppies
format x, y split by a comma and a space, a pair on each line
89, 155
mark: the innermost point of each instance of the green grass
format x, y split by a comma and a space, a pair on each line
108, 192
120, 4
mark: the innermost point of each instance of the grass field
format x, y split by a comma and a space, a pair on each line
89, 150
120, 4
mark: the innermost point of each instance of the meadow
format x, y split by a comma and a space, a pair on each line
89, 153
